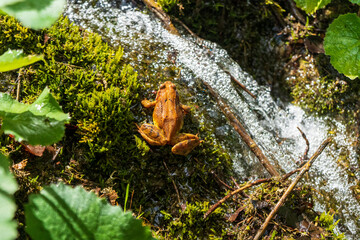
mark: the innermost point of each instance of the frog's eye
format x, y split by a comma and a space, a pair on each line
162, 86
173, 86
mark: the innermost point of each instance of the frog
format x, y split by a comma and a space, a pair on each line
168, 119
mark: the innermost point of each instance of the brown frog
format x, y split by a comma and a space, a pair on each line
168, 119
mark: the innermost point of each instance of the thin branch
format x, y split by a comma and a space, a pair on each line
241, 130
240, 84
240, 189
221, 181
173, 182
304, 169
199, 40
165, 18
305, 156
295, 11
18, 85
216, 205
289, 174
131, 199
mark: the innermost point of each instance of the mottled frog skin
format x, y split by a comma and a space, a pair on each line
168, 118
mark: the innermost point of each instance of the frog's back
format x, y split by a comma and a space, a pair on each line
168, 114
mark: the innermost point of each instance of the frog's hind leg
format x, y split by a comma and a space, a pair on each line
184, 143
148, 104
152, 134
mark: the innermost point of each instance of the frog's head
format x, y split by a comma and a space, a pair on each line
168, 85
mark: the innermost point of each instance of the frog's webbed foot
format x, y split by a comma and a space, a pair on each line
152, 134
147, 103
185, 143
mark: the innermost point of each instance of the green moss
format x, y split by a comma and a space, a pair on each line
89, 79
319, 88
167, 5
192, 225
326, 220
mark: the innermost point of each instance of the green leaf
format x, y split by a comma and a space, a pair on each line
8, 186
355, 1
310, 6
8, 2
342, 44
41, 123
35, 14
14, 59
62, 212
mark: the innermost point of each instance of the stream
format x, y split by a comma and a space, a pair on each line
271, 124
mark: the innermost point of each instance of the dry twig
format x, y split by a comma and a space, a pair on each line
240, 84
216, 205
199, 40
305, 156
221, 181
240, 189
173, 182
241, 130
18, 85
165, 18
304, 169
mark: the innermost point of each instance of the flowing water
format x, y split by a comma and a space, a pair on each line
274, 128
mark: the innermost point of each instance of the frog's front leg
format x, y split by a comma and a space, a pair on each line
185, 108
152, 134
184, 143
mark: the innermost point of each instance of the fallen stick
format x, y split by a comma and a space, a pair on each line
244, 135
305, 155
165, 18
221, 181
304, 169
216, 205
173, 182
240, 189
240, 84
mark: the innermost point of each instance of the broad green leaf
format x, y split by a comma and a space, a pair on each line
62, 212
36, 14
355, 1
342, 44
310, 6
14, 59
8, 186
41, 123
8, 2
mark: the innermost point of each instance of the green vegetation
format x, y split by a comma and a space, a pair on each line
342, 44
341, 41
191, 223
326, 220
41, 123
14, 59
167, 5
8, 186
81, 215
310, 6
34, 14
